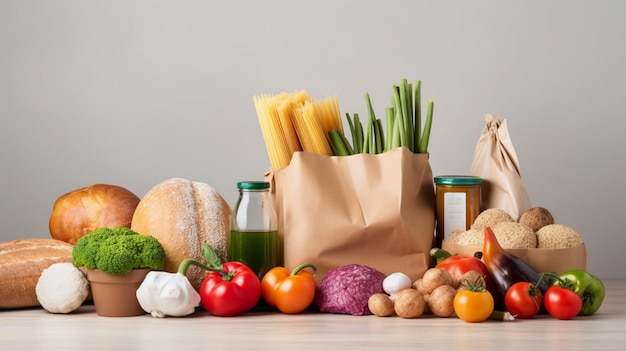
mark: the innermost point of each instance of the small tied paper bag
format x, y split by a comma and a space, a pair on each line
496, 162
375, 210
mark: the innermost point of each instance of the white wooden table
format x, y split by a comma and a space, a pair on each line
35, 329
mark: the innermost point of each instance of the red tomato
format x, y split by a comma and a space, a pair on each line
523, 300
562, 303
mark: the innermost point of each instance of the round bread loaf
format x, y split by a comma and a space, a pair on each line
80, 211
184, 215
21, 263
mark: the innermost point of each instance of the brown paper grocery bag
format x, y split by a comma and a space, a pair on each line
375, 210
495, 161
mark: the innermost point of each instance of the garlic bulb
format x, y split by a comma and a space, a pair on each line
167, 294
396, 282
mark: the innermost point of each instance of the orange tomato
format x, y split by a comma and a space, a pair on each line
473, 306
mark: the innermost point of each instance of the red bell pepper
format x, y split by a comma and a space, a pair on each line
457, 265
231, 290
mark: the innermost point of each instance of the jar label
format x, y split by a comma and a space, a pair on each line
454, 213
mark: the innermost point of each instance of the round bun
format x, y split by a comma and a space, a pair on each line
537, 218
183, 215
490, 217
513, 235
558, 236
80, 211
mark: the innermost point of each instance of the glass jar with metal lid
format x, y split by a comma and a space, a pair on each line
458, 204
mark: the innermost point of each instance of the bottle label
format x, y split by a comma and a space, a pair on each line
454, 213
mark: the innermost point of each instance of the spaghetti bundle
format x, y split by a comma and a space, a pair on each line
310, 130
292, 122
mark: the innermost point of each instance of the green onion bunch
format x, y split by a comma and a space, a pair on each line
403, 121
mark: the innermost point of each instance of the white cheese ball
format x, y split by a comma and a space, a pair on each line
62, 288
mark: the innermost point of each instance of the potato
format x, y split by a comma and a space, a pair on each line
380, 305
409, 303
417, 285
441, 301
469, 277
434, 278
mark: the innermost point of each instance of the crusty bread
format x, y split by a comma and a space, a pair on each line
21, 264
183, 215
80, 211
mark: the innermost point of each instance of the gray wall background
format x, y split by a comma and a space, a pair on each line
135, 92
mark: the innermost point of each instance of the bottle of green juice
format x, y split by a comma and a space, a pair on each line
254, 228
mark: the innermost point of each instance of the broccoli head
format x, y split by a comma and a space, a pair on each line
86, 248
117, 251
152, 254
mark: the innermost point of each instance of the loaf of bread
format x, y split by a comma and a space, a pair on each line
183, 215
80, 211
21, 264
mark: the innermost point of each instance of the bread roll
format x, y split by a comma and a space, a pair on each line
183, 215
80, 211
21, 264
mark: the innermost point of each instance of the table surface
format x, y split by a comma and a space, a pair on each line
83, 329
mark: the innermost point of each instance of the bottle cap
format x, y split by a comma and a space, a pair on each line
253, 185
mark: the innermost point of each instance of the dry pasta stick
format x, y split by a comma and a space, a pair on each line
301, 97
287, 105
293, 122
285, 112
316, 132
327, 112
277, 148
300, 127
310, 131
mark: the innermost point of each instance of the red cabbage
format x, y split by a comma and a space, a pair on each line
347, 289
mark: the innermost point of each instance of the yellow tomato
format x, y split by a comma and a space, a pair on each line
473, 306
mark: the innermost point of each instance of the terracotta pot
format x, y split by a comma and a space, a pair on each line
115, 295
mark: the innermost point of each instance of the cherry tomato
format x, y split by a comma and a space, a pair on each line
562, 303
473, 306
523, 300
